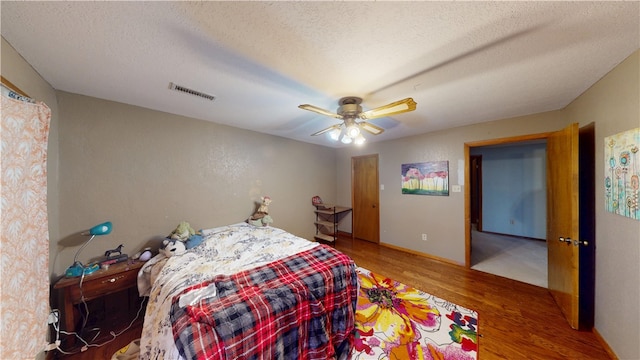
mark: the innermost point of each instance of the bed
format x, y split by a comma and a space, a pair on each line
249, 292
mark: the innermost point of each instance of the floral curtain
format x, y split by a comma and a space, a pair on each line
24, 242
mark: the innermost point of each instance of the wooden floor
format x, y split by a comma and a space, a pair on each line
516, 320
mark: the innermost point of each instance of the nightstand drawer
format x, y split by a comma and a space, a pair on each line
94, 288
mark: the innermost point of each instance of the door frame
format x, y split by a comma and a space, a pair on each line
467, 176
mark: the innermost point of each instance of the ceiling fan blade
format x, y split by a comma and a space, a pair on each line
319, 111
373, 129
337, 126
397, 107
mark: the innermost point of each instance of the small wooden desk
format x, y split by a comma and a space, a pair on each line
117, 277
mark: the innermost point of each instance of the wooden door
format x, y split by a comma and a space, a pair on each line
563, 221
365, 198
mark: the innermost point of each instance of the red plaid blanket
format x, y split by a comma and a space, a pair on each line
299, 307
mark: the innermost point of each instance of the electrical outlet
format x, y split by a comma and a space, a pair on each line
424, 237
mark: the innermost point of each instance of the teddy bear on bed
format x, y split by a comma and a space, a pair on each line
261, 216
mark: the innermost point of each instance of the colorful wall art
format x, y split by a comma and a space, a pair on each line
426, 178
622, 172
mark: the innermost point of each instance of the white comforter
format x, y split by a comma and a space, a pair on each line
225, 250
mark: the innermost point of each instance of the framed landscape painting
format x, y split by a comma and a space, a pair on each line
426, 178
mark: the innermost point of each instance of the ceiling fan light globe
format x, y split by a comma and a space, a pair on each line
346, 139
359, 140
353, 131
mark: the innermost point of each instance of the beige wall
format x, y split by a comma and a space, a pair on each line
613, 104
403, 218
146, 171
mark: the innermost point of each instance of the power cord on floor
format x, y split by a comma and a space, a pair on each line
114, 334
88, 344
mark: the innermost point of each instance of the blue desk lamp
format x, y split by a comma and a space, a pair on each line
77, 269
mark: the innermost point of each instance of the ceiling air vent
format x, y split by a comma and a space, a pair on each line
185, 90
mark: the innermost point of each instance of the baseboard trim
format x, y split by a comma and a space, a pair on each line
605, 345
513, 236
399, 248
425, 255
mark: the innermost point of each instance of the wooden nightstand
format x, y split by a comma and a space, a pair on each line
117, 283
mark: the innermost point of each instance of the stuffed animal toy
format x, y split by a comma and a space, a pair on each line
143, 255
264, 207
171, 247
261, 216
182, 232
193, 241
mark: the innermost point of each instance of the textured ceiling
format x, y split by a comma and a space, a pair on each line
462, 62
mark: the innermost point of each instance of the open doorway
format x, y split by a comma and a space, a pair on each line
570, 165
507, 192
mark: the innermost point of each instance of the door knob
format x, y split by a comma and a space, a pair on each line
567, 240
578, 242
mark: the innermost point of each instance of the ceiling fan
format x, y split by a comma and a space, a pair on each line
350, 112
